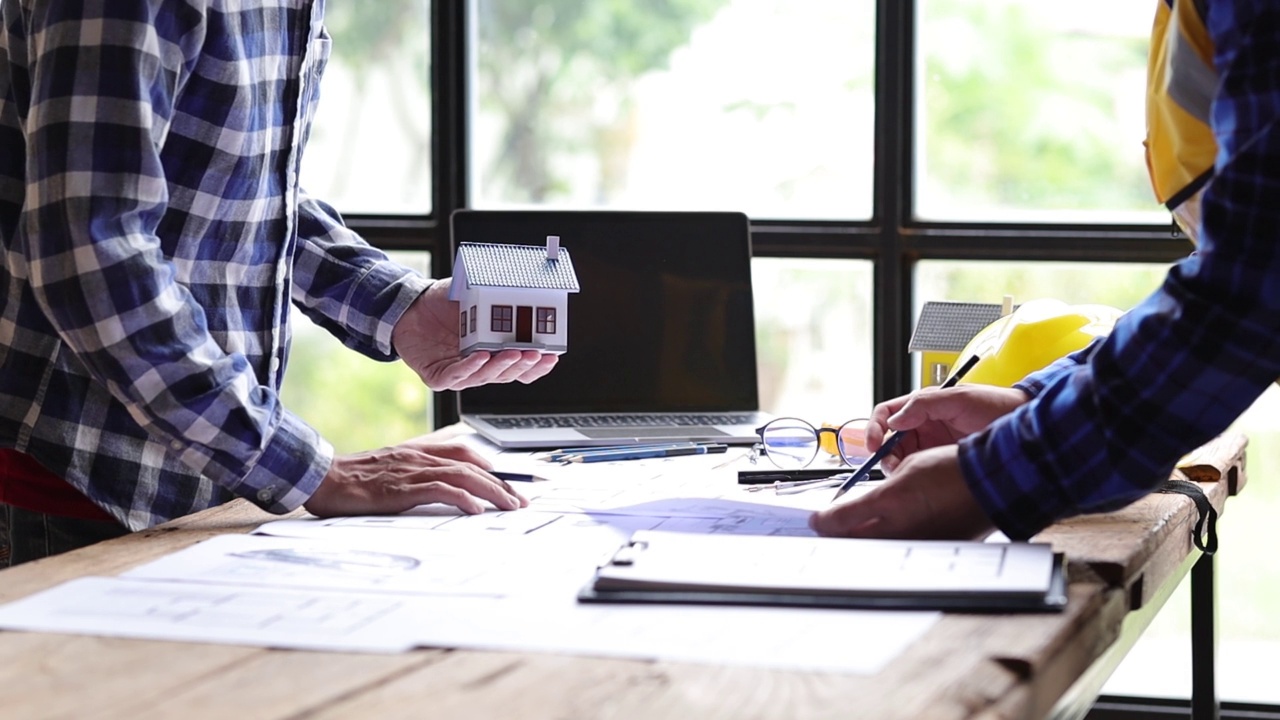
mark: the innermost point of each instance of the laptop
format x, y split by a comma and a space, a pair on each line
661, 335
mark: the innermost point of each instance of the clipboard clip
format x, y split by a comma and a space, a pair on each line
627, 554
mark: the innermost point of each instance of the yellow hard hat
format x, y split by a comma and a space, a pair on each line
1032, 337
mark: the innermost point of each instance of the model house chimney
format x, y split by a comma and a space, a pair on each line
553, 247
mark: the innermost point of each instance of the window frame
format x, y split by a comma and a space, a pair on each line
544, 320
501, 318
892, 239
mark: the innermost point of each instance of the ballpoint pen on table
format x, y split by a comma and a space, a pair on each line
562, 455
806, 485
892, 441
557, 454
642, 453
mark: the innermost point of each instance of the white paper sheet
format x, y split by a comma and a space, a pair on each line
783, 638
424, 563
500, 580
193, 612
791, 639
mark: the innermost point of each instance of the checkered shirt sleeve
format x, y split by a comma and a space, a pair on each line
1183, 364
153, 237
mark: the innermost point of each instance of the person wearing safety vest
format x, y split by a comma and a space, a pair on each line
1106, 425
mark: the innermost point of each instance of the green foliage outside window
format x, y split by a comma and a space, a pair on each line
354, 402
545, 70
1020, 114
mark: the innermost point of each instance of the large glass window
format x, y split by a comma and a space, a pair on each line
813, 337
1024, 111
1030, 110
370, 147
1120, 285
761, 106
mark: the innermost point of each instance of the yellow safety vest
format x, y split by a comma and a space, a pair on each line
1181, 81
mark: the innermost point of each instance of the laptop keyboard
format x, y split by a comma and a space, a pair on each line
515, 422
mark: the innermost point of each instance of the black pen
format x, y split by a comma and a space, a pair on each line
516, 477
768, 477
892, 441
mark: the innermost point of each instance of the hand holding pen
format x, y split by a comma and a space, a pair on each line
892, 441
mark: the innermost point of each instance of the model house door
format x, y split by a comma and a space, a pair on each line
524, 323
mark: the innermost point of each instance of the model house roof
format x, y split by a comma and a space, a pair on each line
524, 266
949, 326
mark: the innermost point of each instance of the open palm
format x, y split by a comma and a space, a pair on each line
426, 337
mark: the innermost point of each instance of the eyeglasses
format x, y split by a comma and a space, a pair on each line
791, 443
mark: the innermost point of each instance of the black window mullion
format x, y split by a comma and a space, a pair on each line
1082, 243
815, 239
449, 96
893, 179
449, 101
392, 233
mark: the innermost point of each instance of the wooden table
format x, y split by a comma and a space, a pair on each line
1122, 567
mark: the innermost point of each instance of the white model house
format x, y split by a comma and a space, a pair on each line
513, 296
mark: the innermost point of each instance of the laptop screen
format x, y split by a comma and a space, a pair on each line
663, 321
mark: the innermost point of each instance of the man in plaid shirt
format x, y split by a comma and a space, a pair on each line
153, 235
1106, 426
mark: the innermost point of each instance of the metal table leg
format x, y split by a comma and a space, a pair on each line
1204, 640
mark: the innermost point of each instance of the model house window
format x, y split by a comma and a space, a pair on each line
546, 320
473, 318
500, 318
462, 323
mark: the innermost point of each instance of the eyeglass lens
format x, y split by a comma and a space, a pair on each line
794, 443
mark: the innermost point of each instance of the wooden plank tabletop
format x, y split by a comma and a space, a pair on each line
966, 666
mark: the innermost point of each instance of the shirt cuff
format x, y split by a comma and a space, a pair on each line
388, 285
290, 469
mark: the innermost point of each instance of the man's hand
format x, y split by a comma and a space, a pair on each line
400, 477
926, 498
938, 417
426, 337
925, 495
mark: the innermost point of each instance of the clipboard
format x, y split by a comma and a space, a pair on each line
967, 576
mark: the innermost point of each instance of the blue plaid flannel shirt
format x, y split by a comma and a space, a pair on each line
153, 235
1108, 425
